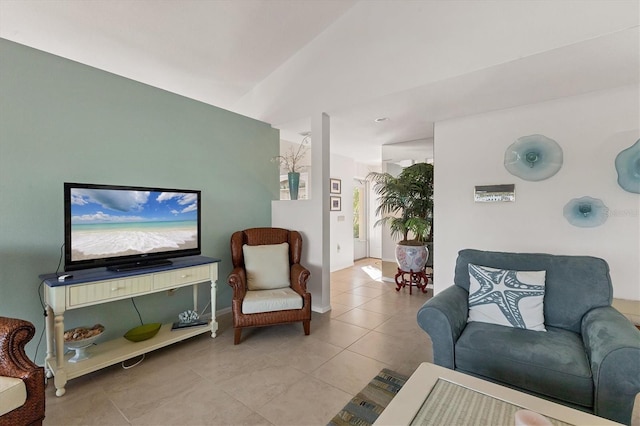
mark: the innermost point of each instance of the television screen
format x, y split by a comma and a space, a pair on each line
107, 225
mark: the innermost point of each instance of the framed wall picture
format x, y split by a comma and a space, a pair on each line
336, 186
336, 204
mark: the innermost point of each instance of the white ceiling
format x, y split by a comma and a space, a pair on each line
416, 62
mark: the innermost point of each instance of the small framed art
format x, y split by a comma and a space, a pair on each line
336, 204
336, 186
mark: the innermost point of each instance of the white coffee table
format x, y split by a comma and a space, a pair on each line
469, 400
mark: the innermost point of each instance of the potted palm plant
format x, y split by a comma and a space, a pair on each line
406, 206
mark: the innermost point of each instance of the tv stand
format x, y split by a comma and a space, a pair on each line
135, 266
98, 286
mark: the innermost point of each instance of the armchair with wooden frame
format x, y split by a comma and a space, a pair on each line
268, 288
22, 399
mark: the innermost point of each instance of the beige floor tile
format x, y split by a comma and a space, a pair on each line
226, 363
402, 353
338, 309
202, 404
402, 324
140, 394
83, 406
349, 371
363, 318
367, 291
339, 333
266, 379
306, 354
254, 419
350, 299
300, 404
382, 305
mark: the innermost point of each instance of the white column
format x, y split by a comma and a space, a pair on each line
311, 217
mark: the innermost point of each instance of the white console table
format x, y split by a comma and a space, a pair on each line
98, 286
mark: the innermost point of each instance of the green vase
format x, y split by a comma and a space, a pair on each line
294, 184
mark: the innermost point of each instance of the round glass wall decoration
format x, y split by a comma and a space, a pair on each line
628, 168
586, 212
533, 157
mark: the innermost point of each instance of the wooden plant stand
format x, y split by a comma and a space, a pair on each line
419, 279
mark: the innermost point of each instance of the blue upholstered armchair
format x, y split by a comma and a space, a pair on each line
588, 357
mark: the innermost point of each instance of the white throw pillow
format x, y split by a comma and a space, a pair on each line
267, 266
506, 297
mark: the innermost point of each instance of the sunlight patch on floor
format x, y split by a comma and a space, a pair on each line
373, 272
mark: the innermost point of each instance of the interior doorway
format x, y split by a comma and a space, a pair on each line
360, 220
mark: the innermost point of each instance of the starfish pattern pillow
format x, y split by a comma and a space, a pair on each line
507, 297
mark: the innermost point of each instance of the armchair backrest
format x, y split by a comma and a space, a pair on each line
573, 286
262, 236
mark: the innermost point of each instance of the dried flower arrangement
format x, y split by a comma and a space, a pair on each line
290, 160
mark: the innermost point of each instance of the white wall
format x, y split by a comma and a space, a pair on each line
341, 222
591, 129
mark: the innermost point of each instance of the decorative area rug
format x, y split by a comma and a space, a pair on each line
367, 405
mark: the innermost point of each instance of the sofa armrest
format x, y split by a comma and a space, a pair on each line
613, 347
443, 318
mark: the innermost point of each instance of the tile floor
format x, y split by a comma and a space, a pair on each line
276, 376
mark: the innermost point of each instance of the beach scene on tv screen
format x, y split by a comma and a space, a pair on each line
111, 223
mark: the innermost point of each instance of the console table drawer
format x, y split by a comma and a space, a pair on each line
172, 279
85, 294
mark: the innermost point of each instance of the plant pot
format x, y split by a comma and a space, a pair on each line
294, 184
411, 258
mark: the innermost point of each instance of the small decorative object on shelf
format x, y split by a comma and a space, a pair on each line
80, 339
628, 168
188, 318
586, 212
533, 157
143, 332
291, 160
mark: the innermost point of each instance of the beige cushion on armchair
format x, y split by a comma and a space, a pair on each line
279, 299
13, 394
267, 266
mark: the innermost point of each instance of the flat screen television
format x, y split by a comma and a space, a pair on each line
128, 227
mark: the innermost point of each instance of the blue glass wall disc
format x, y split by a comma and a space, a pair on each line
533, 157
628, 168
586, 212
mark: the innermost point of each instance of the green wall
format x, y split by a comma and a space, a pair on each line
61, 121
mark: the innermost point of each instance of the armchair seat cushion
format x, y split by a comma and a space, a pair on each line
13, 394
554, 363
281, 299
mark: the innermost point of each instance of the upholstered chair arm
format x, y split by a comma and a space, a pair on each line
444, 317
613, 346
14, 335
299, 277
238, 281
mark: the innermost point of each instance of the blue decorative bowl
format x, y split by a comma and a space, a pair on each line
628, 168
533, 157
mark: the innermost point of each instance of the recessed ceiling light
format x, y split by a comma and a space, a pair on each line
381, 119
